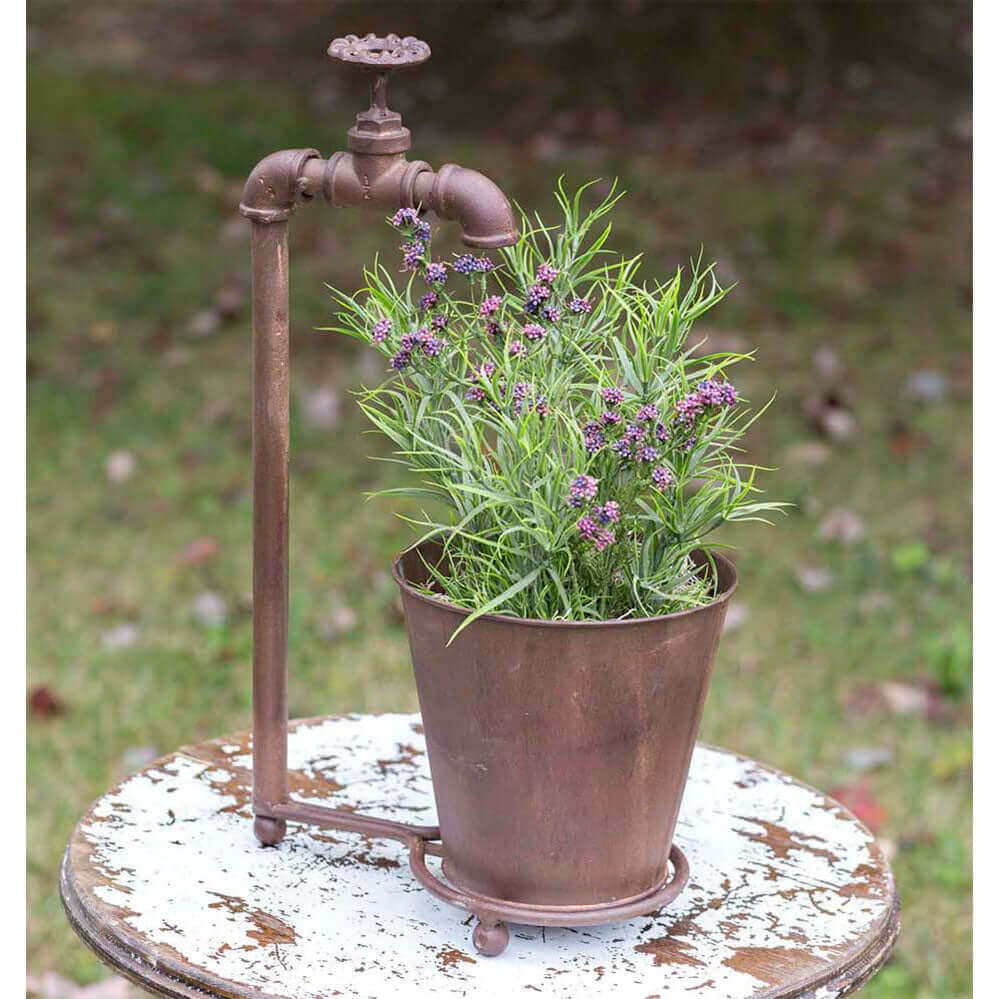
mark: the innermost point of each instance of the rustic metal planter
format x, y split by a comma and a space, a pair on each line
558, 751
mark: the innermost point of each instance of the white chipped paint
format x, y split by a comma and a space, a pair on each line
182, 871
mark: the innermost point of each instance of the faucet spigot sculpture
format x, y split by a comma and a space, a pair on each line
375, 173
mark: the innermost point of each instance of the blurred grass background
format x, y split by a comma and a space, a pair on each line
820, 153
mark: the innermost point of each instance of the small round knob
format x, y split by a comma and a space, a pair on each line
388, 53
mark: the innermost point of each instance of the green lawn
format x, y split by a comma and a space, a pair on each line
132, 191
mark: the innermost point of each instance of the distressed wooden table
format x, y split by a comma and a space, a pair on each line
789, 894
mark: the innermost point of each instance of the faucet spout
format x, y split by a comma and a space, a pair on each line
473, 201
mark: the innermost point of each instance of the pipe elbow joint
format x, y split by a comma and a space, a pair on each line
475, 203
275, 185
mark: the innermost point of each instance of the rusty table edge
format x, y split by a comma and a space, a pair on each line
162, 976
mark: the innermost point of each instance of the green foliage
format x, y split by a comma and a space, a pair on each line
579, 447
950, 659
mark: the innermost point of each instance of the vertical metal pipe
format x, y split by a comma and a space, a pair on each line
271, 356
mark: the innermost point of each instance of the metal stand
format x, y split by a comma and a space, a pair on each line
376, 174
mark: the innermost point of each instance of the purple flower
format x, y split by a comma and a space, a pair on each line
464, 263
712, 393
647, 414
483, 265
609, 513
432, 346
541, 407
552, 313
536, 294
439, 322
436, 273
412, 256
662, 434
475, 394
405, 217
580, 305
612, 395
486, 369
689, 408
428, 300
610, 417
490, 306
380, 330
546, 274
493, 328
593, 438
623, 449
662, 477
400, 360
647, 453
604, 539
534, 332
688, 444
520, 393
516, 349
409, 340
583, 488
634, 433
587, 527
421, 231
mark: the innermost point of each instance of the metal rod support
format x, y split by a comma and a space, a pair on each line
269, 255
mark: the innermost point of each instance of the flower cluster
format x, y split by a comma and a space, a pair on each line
581, 451
592, 526
465, 263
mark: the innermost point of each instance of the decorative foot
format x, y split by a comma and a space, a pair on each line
490, 938
269, 831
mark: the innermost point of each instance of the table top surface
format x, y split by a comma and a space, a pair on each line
789, 895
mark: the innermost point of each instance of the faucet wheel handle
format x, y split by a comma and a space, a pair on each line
379, 131
386, 54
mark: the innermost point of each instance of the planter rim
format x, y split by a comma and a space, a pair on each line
532, 622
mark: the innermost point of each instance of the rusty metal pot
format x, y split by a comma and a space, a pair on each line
558, 750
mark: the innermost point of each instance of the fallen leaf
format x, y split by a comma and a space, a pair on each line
814, 579
927, 386
842, 525
234, 230
204, 323
859, 799
138, 757
43, 704
210, 609
827, 363
337, 622
830, 415
120, 637
735, 616
807, 453
120, 466
201, 550
865, 758
230, 299
862, 700
207, 179
102, 331
873, 602
321, 408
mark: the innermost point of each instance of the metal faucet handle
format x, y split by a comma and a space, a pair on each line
379, 130
385, 54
